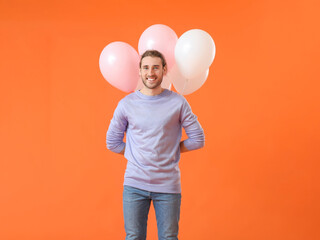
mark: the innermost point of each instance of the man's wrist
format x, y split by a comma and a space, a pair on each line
183, 148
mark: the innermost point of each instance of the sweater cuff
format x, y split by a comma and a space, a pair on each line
119, 148
192, 145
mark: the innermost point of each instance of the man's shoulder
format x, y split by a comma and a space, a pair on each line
177, 96
125, 101
128, 97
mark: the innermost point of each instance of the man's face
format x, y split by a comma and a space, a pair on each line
151, 72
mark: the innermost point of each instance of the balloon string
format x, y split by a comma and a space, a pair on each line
184, 86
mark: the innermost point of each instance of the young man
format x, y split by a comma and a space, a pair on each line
153, 119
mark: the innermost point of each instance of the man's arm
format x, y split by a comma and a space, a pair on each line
193, 129
116, 130
183, 147
122, 152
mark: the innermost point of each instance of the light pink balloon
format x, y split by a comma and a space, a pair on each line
119, 65
161, 38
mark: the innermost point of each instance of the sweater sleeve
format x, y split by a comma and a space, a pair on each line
193, 129
116, 130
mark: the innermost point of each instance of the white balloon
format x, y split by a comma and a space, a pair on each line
185, 85
194, 52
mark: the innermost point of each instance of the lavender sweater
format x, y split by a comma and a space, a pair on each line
153, 126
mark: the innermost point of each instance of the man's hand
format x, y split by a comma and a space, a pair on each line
122, 152
183, 148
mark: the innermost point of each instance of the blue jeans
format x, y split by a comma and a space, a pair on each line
136, 205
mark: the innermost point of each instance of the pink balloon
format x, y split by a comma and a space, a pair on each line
119, 65
161, 38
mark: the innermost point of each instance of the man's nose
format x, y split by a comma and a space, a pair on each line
150, 71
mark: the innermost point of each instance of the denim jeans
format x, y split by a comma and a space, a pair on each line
136, 205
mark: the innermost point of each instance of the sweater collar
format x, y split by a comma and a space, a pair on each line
164, 93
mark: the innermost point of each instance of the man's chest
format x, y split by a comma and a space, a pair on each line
152, 117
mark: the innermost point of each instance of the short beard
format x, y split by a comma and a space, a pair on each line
155, 86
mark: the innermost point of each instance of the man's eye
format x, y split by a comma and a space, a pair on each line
145, 67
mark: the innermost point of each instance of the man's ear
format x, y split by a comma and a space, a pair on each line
165, 70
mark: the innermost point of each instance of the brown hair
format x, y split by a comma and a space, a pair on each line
153, 53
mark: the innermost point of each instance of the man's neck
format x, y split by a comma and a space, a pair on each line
151, 92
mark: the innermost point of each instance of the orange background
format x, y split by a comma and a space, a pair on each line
256, 178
